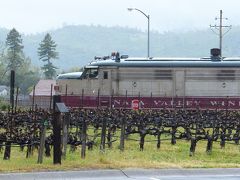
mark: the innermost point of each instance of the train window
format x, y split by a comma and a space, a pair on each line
90, 73
163, 74
93, 73
226, 75
105, 75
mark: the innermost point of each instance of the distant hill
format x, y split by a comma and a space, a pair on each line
77, 45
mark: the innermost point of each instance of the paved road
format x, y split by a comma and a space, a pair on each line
138, 174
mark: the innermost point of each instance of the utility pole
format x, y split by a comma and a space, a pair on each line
220, 29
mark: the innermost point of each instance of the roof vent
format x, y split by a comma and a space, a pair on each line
215, 52
115, 56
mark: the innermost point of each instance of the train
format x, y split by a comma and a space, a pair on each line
126, 82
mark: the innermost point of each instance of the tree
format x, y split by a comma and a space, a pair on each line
27, 76
47, 52
15, 56
2, 66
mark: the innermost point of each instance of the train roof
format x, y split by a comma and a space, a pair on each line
207, 62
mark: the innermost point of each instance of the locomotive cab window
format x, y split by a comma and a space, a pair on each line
105, 75
91, 73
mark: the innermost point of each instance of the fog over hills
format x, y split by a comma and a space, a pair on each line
77, 45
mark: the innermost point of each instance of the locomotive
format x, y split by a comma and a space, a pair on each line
117, 81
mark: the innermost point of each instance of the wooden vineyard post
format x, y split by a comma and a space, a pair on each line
84, 138
7, 151
159, 139
122, 134
193, 146
103, 135
56, 132
109, 138
58, 108
42, 141
65, 134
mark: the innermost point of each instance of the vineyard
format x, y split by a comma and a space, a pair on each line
105, 129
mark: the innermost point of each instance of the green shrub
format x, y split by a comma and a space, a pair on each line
3, 105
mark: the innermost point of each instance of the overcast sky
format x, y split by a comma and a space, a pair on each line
32, 16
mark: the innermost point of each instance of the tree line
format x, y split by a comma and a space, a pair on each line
12, 57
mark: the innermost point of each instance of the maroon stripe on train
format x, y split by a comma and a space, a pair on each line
154, 102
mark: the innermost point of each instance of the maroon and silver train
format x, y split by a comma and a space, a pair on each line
120, 81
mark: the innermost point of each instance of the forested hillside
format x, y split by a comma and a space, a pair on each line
77, 45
